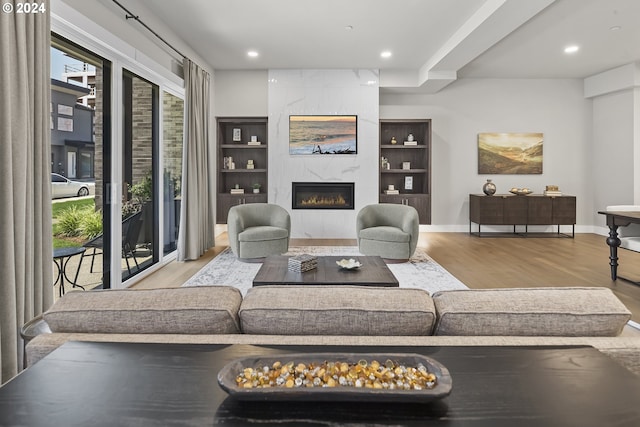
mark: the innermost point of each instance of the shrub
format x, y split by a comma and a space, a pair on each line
69, 222
91, 223
74, 222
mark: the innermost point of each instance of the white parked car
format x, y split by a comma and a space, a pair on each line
64, 187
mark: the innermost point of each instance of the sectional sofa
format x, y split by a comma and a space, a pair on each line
342, 315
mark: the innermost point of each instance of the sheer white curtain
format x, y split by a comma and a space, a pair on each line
26, 287
197, 213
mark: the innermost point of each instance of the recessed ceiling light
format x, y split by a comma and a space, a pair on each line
615, 28
571, 49
348, 27
386, 54
252, 53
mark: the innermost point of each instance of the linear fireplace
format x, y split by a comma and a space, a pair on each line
322, 195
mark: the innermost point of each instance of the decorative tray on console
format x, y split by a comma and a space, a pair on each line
370, 377
520, 191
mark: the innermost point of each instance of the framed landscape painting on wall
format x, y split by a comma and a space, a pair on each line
323, 134
510, 153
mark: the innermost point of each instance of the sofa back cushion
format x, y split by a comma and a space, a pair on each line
336, 310
571, 312
191, 310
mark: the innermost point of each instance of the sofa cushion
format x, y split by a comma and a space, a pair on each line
191, 310
336, 310
571, 312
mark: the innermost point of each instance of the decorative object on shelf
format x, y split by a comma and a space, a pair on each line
520, 191
510, 153
237, 134
250, 164
406, 165
393, 140
410, 137
408, 183
391, 189
237, 190
254, 138
232, 165
489, 188
256, 188
552, 191
384, 163
349, 264
330, 134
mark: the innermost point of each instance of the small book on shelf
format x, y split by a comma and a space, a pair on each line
552, 193
411, 143
237, 191
254, 143
391, 191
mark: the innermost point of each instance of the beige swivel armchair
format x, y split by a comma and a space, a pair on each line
257, 230
388, 230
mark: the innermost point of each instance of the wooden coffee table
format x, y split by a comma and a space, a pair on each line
374, 272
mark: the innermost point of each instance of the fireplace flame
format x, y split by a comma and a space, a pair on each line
316, 200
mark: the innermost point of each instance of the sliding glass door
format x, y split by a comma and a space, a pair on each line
117, 134
81, 161
140, 120
172, 137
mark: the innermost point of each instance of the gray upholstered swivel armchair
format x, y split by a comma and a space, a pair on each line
257, 230
388, 230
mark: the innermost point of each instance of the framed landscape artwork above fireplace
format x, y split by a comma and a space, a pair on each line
330, 134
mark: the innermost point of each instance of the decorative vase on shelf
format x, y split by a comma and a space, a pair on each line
489, 188
393, 140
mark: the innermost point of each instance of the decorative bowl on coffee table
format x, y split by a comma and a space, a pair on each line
241, 378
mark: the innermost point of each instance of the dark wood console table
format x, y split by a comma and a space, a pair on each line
534, 209
175, 385
614, 220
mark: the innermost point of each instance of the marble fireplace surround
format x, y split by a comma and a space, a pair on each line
323, 92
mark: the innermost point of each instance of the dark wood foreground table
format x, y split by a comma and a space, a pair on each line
374, 272
109, 384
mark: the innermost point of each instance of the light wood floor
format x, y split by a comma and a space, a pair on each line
487, 262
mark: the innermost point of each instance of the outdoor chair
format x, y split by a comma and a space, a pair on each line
131, 227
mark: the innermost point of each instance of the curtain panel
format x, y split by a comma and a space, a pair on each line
197, 212
25, 191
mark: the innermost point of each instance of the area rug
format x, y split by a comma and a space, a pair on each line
420, 272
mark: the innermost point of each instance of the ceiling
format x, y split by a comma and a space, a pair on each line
433, 42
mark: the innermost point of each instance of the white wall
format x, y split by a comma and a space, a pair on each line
300, 92
613, 168
240, 93
459, 112
556, 108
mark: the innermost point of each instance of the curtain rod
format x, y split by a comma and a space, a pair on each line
130, 15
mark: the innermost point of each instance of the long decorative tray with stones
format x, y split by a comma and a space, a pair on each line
380, 377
